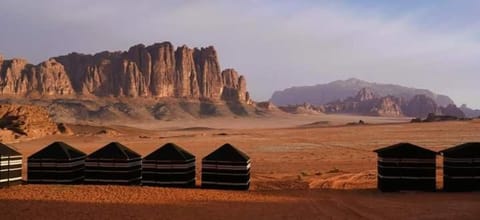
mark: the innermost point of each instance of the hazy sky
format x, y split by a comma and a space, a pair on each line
431, 44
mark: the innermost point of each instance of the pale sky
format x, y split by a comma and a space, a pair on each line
432, 44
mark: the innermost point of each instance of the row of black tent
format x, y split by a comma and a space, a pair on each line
170, 165
406, 166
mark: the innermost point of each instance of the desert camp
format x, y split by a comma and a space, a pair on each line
10, 166
226, 168
461, 167
57, 163
405, 166
169, 165
113, 164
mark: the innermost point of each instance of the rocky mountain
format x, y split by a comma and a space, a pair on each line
342, 89
471, 113
159, 70
367, 102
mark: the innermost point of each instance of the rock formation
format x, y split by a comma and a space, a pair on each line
341, 89
366, 102
25, 121
420, 106
452, 110
156, 71
471, 113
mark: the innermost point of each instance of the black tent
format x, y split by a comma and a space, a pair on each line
113, 164
169, 165
226, 168
10, 166
461, 167
405, 166
56, 163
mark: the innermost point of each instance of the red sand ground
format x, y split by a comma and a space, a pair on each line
298, 173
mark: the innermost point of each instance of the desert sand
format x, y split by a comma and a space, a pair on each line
303, 167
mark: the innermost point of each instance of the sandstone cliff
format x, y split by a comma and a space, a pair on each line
366, 102
341, 89
158, 70
17, 121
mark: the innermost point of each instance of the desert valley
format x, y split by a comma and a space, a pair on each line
311, 152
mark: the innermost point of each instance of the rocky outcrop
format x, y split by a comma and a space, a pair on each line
25, 121
469, 112
17, 77
342, 89
388, 106
452, 110
365, 94
159, 70
420, 106
367, 103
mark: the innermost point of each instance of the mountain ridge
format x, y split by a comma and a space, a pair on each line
159, 70
341, 89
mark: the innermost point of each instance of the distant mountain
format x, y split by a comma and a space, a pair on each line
471, 113
367, 102
342, 89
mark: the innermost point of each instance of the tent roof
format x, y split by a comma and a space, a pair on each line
114, 150
170, 151
471, 150
227, 152
58, 150
8, 151
405, 150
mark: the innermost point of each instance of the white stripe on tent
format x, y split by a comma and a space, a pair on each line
225, 183
226, 167
4, 170
226, 174
53, 164
462, 167
405, 160
10, 179
69, 159
112, 171
406, 177
54, 171
11, 157
166, 166
114, 164
418, 168
55, 180
109, 180
166, 173
462, 177
168, 182
12, 162
461, 160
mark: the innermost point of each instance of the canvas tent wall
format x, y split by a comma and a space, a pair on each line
405, 166
56, 163
169, 165
226, 168
113, 164
10, 166
461, 167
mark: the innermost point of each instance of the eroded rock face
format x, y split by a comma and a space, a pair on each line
452, 110
17, 77
158, 70
420, 106
25, 121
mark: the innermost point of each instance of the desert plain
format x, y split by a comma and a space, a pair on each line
303, 167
